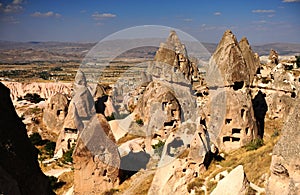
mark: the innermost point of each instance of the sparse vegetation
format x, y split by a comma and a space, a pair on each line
50, 148
32, 97
158, 148
196, 185
36, 139
254, 144
67, 156
140, 122
111, 191
111, 117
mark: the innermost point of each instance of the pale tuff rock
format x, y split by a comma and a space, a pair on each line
174, 54
20, 171
45, 90
96, 159
229, 63
55, 112
239, 125
80, 111
251, 59
273, 57
231, 121
235, 183
285, 174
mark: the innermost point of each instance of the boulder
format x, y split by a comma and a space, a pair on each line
20, 171
235, 183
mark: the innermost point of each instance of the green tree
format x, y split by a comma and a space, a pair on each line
36, 139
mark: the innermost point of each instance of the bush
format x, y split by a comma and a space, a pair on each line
32, 97
67, 156
158, 148
254, 144
140, 122
56, 69
44, 75
36, 139
111, 117
50, 148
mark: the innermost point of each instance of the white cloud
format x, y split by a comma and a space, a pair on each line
271, 15
217, 13
99, 16
15, 2
46, 14
260, 22
188, 19
263, 11
14, 7
290, 1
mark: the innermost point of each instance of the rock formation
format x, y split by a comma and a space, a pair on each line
235, 183
251, 59
55, 112
228, 60
45, 90
96, 158
173, 53
20, 171
273, 57
285, 171
232, 123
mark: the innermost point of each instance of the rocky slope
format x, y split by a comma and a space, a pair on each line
20, 171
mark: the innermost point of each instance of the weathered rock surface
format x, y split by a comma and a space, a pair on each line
45, 90
235, 183
96, 158
55, 112
285, 165
251, 59
273, 57
20, 171
174, 54
228, 60
239, 125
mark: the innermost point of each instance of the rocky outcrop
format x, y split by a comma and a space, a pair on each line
174, 54
80, 111
230, 116
235, 183
45, 90
239, 125
285, 168
96, 158
229, 61
55, 112
20, 171
251, 59
273, 57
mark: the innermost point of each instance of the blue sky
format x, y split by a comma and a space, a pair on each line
261, 21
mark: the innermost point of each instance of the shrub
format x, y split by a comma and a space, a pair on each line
111, 117
140, 122
111, 191
32, 97
50, 148
254, 144
36, 139
158, 148
44, 75
67, 156
56, 69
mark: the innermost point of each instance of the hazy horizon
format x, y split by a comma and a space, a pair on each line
262, 22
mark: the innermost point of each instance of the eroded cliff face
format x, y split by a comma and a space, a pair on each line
20, 171
45, 90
